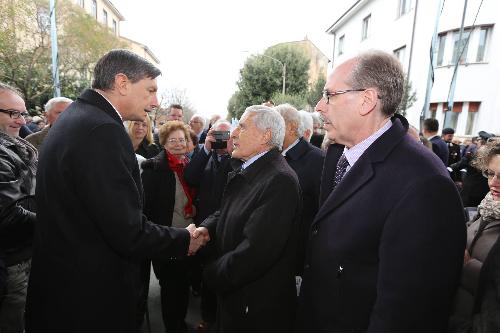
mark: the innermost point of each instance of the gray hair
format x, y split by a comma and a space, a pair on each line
291, 115
56, 100
382, 71
203, 120
316, 118
125, 62
306, 122
265, 118
220, 122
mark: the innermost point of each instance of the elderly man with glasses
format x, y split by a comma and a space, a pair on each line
18, 162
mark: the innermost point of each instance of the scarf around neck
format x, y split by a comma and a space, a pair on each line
489, 209
177, 165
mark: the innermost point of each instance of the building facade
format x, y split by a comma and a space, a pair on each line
107, 14
406, 29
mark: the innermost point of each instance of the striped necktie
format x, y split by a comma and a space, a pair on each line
342, 165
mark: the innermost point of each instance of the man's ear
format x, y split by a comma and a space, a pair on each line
122, 84
370, 100
266, 138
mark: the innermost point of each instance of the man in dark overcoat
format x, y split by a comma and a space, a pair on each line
386, 247
307, 162
91, 235
256, 231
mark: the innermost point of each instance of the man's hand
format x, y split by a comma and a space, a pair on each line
198, 239
209, 139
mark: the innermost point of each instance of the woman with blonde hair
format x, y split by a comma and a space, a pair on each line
169, 201
141, 134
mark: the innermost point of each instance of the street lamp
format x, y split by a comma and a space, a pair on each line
284, 70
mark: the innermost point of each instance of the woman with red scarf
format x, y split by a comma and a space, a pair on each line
169, 201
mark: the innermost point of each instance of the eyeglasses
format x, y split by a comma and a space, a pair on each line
174, 140
14, 114
327, 94
490, 175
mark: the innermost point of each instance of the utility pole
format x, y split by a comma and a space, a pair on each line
460, 51
53, 42
430, 76
283, 66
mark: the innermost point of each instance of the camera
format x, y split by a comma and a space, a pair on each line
221, 138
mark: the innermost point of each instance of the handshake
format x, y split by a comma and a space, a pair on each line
199, 238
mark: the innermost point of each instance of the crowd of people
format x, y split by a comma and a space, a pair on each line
342, 220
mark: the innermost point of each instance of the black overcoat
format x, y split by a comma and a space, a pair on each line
307, 162
91, 234
256, 236
386, 247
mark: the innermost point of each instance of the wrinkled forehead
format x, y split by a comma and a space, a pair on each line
341, 75
11, 100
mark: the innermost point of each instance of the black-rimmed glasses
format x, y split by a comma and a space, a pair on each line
14, 114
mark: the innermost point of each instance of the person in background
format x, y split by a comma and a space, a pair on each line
474, 185
477, 302
53, 109
141, 134
306, 124
439, 147
175, 112
317, 137
197, 124
454, 152
192, 144
18, 166
169, 202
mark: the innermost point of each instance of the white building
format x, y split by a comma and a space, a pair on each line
405, 28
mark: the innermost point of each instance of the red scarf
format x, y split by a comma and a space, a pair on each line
178, 166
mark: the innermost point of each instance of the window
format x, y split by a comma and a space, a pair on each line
341, 44
441, 46
93, 9
404, 7
115, 27
432, 110
471, 117
400, 54
483, 35
451, 117
81, 3
366, 27
460, 46
105, 17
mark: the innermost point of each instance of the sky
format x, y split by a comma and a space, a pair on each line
203, 44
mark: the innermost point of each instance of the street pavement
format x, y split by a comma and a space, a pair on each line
154, 303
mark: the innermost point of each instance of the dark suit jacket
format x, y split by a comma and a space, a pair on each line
307, 162
386, 247
440, 148
255, 232
91, 234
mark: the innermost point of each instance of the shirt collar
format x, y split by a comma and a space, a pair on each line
290, 147
354, 153
119, 115
253, 159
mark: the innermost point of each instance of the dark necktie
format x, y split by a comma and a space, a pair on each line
342, 165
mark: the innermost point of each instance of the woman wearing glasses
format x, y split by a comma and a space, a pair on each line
477, 304
169, 201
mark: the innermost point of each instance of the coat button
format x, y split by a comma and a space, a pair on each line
307, 266
315, 231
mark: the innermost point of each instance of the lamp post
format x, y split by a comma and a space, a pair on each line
283, 65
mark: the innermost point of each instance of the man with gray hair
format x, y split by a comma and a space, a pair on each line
255, 231
91, 234
386, 247
317, 137
54, 107
197, 124
306, 125
307, 162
